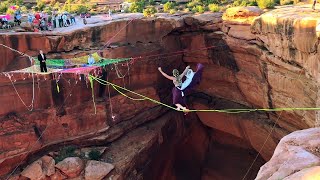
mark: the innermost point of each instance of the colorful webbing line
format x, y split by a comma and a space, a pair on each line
116, 87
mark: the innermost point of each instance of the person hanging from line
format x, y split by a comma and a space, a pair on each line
314, 4
178, 92
42, 58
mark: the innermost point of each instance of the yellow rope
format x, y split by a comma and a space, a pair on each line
92, 89
101, 81
116, 87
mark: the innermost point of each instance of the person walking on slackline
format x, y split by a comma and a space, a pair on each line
178, 92
42, 58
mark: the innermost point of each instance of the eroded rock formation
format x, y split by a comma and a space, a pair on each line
296, 157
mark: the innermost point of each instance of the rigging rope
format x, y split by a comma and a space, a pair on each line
31, 106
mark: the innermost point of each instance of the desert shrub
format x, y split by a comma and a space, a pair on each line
266, 4
3, 7
186, 10
244, 3
214, 7
24, 9
52, 2
126, 10
286, 2
48, 9
80, 9
297, 1
15, 2
94, 154
207, 2
68, 151
29, 6
151, 2
172, 11
10, 11
136, 7
192, 4
40, 5
164, 1
199, 9
168, 6
149, 11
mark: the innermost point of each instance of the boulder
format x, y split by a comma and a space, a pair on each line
48, 165
308, 173
26, 26
296, 152
34, 171
241, 15
58, 176
71, 166
96, 170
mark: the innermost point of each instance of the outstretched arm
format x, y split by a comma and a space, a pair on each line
184, 72
166, 75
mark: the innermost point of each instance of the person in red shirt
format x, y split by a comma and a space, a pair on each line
36, 22
37, 16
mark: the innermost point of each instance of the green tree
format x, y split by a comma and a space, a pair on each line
168, 6
199, 9
207, 2
15, 2
266, 4
4, 7
79, 9
149, 11
67, 6
53, 2
172, 11
286, 2
151, 2
137, 7
214, 7
244, 3
94, 154
192, 4
40, 5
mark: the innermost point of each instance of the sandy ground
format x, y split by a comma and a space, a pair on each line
93, 21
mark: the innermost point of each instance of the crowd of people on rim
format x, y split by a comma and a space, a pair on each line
44, 22
4, 23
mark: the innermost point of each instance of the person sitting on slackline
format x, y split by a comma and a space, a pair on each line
192, 79
90, 59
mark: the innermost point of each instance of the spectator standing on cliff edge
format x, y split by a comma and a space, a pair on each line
314, 4
84, 20
42, 58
